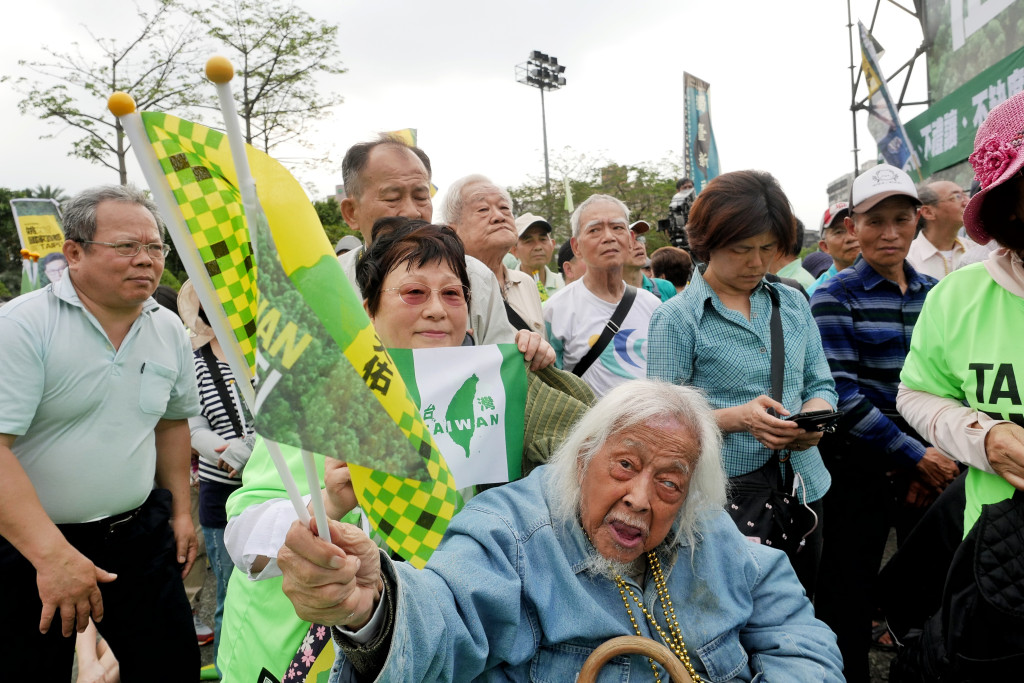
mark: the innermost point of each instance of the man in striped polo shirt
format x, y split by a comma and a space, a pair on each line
883, 473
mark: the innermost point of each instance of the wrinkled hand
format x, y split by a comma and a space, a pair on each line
337, 585
185, 541
69, 582
1004, 446
338, 494
233, 456
920, 495
936, 470
774, 433
535, 349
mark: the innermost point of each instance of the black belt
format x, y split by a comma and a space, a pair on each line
107, 526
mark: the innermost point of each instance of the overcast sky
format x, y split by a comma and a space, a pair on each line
780, 84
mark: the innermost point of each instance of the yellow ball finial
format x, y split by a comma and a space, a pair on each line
219, 69
121, 104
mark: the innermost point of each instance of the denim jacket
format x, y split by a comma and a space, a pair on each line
506, 596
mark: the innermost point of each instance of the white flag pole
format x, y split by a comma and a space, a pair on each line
123, 107
220, 71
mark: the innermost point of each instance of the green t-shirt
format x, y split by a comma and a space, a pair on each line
968, 345
260, 627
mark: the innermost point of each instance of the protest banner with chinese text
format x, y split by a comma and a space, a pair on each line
700, 152
944, 134
883, 118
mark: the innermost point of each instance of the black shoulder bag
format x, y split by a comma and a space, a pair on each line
610, 328
764, 503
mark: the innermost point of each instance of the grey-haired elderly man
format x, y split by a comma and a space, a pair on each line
97, 386
622, 533
481, 213
580, 312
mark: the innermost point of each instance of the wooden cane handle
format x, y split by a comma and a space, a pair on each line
630, 645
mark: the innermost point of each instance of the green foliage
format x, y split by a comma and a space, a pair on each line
157, 66
329, 213
170, 279
48, 192
646, 188
10, 245
277, 50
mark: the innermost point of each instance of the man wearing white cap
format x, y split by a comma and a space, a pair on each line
883, 474
534, 250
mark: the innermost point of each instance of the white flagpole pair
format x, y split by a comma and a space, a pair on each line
220, 71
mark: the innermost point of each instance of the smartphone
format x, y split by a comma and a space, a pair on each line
816, 420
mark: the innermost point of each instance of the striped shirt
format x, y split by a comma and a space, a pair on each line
695, 340
213, 410
866, 323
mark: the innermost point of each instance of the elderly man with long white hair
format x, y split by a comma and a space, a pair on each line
622, 533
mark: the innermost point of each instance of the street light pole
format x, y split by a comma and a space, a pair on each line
543, 72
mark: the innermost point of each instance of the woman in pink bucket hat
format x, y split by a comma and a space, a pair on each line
961, 389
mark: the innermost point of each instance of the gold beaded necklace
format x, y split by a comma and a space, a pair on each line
674, 640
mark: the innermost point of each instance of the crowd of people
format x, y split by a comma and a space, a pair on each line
658, 385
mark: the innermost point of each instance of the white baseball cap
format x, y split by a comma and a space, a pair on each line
528, 220
878, 183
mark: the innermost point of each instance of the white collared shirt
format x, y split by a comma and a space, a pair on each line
928, 260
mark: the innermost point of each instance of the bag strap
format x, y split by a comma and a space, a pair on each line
778, 374
213, 366
609, 331
516, 319
778, 347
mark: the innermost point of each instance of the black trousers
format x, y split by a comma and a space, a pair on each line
147, 620
861, 507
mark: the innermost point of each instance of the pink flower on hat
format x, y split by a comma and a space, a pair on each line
990, 159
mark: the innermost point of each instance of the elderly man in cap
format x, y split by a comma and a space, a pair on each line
883, 473
598, 324
533, 250
480, 212
938, 250
623, 533
837, 242
633, 268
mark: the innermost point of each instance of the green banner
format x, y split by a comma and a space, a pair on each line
944, 134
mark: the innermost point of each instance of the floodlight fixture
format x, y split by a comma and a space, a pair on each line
543, 72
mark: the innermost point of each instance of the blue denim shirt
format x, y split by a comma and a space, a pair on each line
506, 597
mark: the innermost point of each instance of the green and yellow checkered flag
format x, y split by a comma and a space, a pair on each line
212, 210
326, 383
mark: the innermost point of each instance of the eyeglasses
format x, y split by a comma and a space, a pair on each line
957, 196
156, 250
416, 294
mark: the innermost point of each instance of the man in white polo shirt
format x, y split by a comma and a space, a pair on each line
577, 315
96, 389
